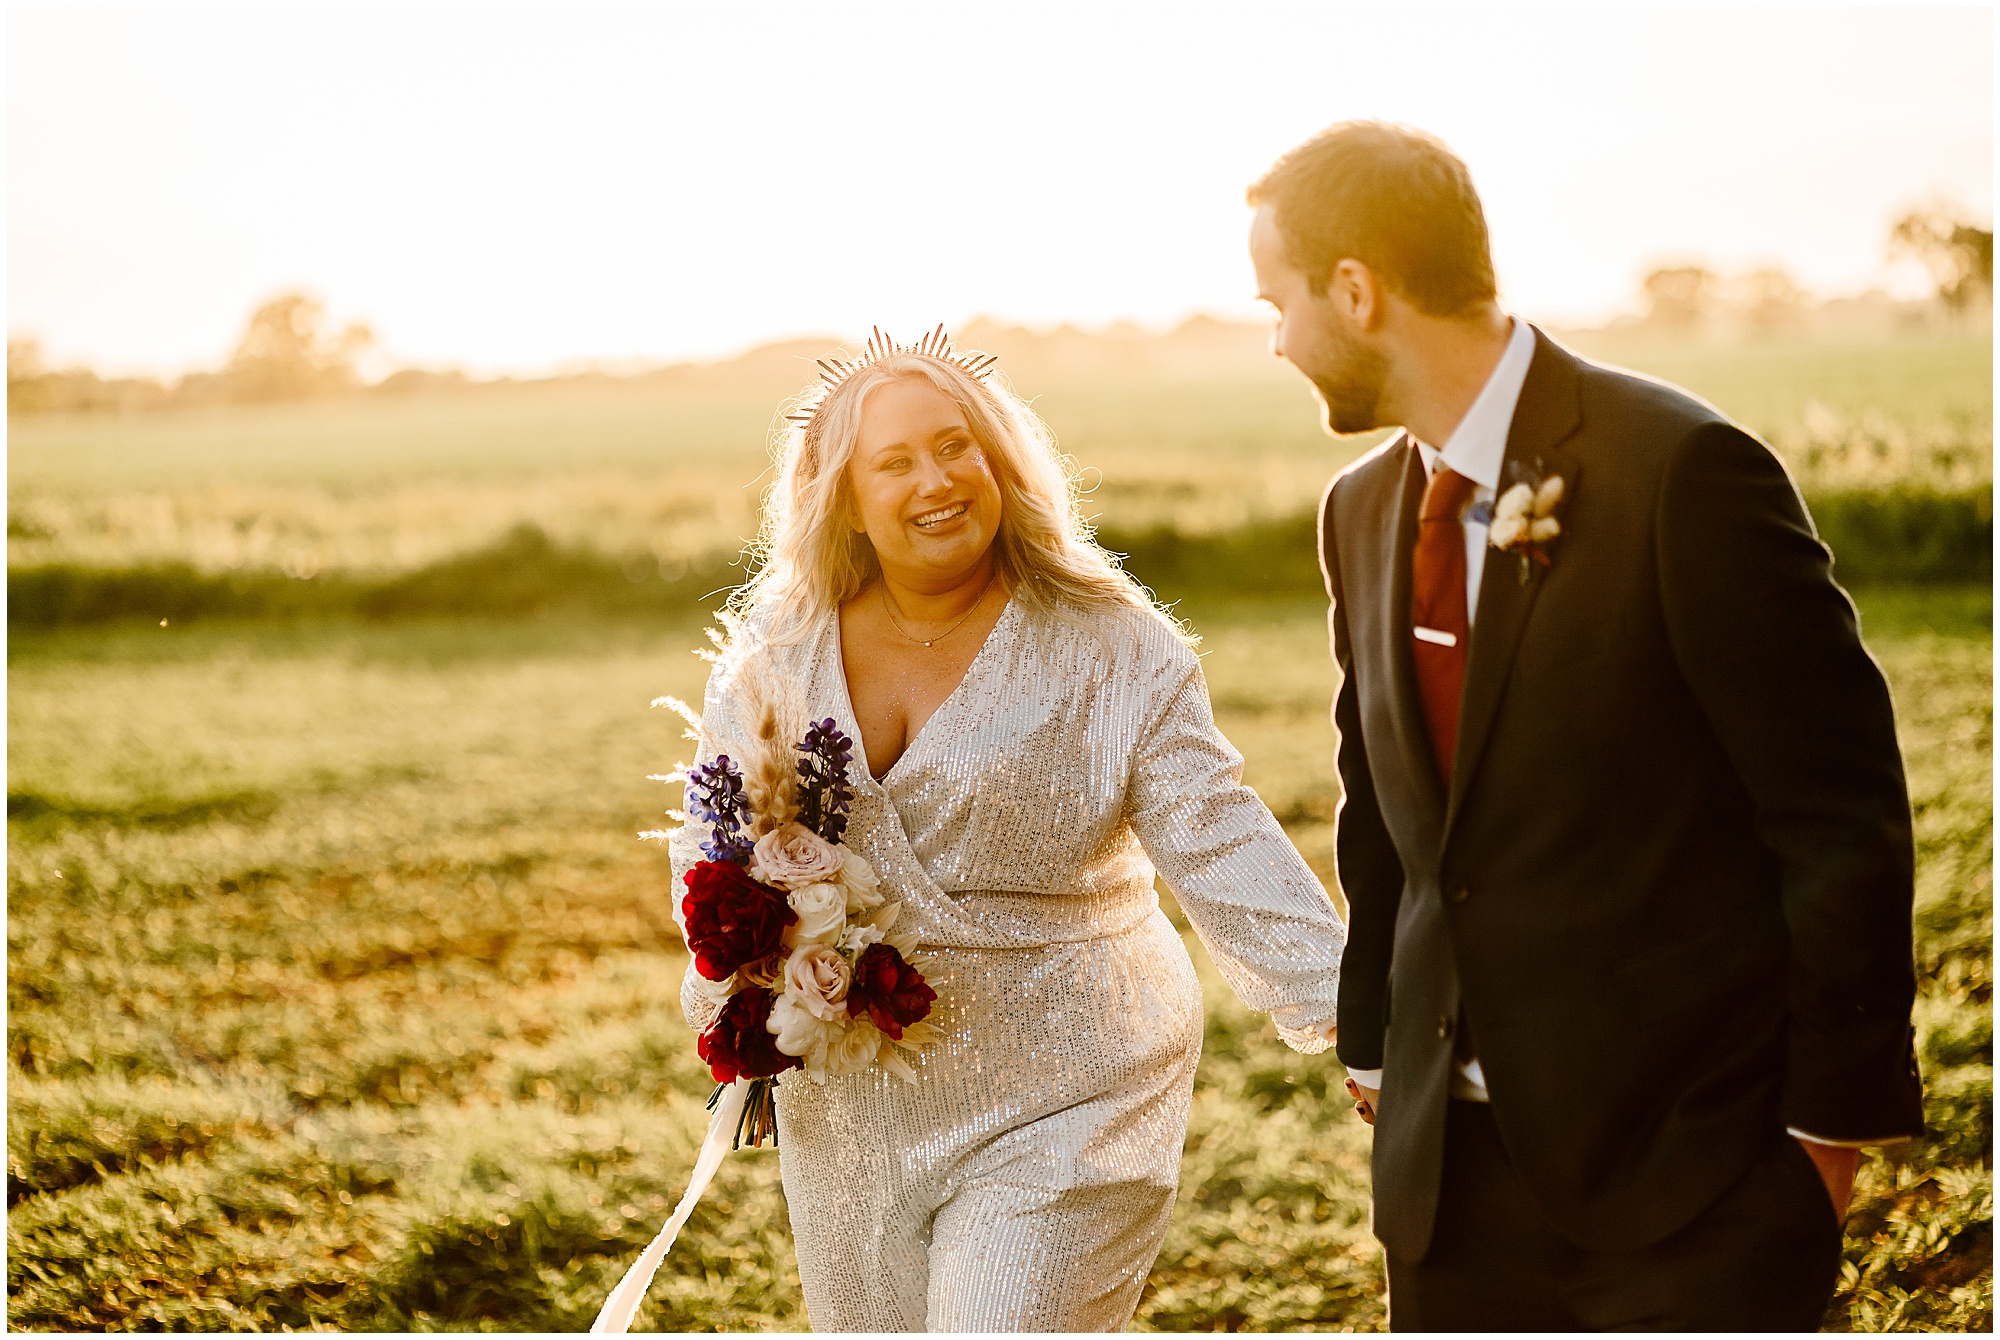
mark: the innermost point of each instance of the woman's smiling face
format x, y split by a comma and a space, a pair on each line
923, 491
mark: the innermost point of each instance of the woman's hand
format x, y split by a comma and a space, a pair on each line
1364, 1101
1837, 1165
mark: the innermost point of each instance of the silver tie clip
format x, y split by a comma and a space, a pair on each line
1442, 638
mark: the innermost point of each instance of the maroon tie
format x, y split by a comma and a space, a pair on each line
1443, 627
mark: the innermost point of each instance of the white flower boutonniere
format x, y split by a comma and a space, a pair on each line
1523, 520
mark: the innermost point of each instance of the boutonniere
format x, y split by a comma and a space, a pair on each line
1523, 520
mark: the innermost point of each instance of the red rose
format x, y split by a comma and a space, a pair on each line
731, 918
739, 1044
889, 991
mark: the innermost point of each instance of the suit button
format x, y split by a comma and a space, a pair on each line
1460, 894
1444, 1026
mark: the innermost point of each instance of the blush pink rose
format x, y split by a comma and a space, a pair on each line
817, 978
793, 857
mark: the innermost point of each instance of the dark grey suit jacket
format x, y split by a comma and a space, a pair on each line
1669, 882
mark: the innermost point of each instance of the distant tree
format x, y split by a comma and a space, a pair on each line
1680, 297
286, 354
1957, 252
33, 387
27, 376
1769, 298
24, 358
409, 381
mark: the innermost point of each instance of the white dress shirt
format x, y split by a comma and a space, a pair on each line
1479, 444
1476, 450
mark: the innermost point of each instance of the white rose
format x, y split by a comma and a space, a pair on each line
1505, 530
1548, 495
1514, 503
793, 857
863, 885
803, 1034
822, 910
1544, 530
817, 978
853, 1048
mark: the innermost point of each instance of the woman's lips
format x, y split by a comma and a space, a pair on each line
940, 516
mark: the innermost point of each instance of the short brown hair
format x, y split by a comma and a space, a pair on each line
1391, 197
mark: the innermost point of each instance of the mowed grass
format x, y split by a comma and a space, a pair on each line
343, 996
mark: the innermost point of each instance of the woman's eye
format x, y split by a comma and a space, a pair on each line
953, 447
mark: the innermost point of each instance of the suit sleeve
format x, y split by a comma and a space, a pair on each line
1771, 649
1366, 864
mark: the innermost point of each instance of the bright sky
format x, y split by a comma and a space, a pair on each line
512, 190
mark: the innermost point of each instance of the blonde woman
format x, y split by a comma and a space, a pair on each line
1038, 743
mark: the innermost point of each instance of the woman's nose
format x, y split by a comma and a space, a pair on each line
932, 477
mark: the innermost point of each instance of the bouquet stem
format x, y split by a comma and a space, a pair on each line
759, 1118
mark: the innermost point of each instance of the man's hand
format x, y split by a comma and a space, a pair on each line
1836, 1165
1364, 1103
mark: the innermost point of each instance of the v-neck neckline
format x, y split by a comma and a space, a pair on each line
854, 718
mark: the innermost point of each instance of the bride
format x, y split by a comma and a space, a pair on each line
1039, 743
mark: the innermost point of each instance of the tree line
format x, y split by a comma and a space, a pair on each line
1957, 252
289, 351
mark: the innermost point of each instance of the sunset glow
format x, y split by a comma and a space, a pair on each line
519, 190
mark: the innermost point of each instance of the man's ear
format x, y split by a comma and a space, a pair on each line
1354, 290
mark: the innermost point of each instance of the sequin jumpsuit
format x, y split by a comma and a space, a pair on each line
1025, 1182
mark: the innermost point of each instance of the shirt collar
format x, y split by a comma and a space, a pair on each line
1480, 440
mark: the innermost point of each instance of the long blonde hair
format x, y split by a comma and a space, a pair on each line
810, 559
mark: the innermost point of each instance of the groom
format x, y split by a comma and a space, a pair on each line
1625, 841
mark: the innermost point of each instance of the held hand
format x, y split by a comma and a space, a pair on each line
1836, 1166
1364, 1101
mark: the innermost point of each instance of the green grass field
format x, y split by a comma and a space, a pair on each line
342, 995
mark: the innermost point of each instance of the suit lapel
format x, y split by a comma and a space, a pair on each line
1413, 737
1546, 413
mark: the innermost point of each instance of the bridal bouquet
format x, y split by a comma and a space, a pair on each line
794, 942
791, 934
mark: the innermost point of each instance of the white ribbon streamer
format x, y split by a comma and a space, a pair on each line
616, 1316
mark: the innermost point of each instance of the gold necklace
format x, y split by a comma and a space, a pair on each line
891, 612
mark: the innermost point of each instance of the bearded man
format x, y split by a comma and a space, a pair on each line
1625, 837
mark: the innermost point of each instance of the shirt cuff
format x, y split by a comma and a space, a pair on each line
1798, 1134
1367, 1079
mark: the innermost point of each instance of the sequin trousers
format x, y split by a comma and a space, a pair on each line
1025, 1181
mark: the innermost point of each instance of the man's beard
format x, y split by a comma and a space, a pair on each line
1351, 388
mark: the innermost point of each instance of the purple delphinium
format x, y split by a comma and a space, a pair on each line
715, 797
823, 790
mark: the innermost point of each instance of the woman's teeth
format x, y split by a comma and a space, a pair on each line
931, 520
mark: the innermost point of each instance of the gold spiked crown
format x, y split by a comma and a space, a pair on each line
937, 345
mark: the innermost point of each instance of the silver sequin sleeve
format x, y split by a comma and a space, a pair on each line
1257, 906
